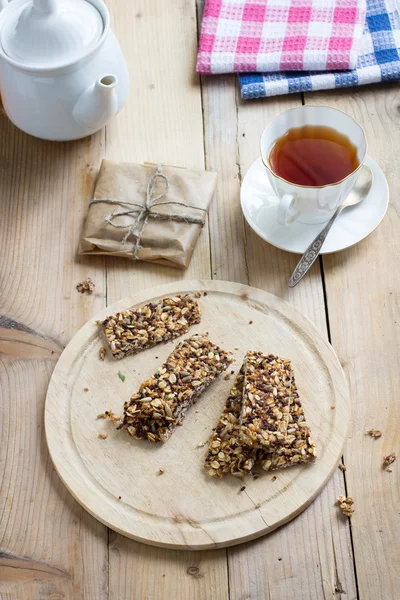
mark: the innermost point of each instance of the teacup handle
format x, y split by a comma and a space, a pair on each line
286, 211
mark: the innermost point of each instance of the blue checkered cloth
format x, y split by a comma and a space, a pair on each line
379, 60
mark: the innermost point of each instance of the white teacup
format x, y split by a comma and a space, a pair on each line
311, 204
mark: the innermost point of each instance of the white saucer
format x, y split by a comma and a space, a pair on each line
259, 206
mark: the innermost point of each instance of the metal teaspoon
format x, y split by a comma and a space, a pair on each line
357, 194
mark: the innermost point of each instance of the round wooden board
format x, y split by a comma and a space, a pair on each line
184, 508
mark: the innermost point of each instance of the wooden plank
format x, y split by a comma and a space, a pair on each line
363, 288
233, 129
162, 121
49, 546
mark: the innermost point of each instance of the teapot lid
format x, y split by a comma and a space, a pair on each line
50, 33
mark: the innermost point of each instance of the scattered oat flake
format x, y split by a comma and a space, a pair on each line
197, 295
346, 504
85, 389
102, 353
374, 433
333, 406
160, 472
227, 376
86, 286
108, 414
121, 376
389, 459
102, 436
342, 467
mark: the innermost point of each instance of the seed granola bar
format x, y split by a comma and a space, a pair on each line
298, 446
130, 331
228, 454
163, 400
268, 391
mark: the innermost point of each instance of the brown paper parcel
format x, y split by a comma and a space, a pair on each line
149, 213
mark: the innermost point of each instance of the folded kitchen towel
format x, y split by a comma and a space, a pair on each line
279, 35
379, 60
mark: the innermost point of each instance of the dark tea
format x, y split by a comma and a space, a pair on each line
313, 155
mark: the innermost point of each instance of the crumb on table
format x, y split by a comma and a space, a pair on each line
347, 505
388, 460
102, 353
86, 286
374, 433
108, 414
102, 436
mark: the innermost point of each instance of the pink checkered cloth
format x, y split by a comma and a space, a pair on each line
280, 35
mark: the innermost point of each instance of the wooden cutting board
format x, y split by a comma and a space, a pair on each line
116, 479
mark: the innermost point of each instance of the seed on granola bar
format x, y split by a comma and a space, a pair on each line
130, 331
162, 401
269, 389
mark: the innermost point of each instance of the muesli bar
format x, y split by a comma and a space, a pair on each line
298, 446
226, 451
130, 331
163, 400
228, 454
268, 391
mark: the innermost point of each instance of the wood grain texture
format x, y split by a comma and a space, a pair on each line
363, 289
49, 546
117, 481
162, 120
255, 569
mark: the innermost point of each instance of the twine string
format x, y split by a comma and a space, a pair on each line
140, 213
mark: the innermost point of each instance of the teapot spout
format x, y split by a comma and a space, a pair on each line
98, 104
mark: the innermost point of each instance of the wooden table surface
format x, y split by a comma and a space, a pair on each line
50, 548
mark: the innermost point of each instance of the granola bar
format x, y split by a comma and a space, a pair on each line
226, 452
130, 331
163, 400
298, 446
268, 391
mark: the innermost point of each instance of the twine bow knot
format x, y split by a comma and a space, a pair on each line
140, 213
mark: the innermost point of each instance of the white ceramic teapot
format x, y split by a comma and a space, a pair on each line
62, 72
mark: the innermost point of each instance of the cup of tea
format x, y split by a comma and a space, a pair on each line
312, 155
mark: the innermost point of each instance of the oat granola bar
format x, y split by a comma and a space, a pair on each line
226, 451
130, 331
267, 394
163, 400
298, 446
228, 454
